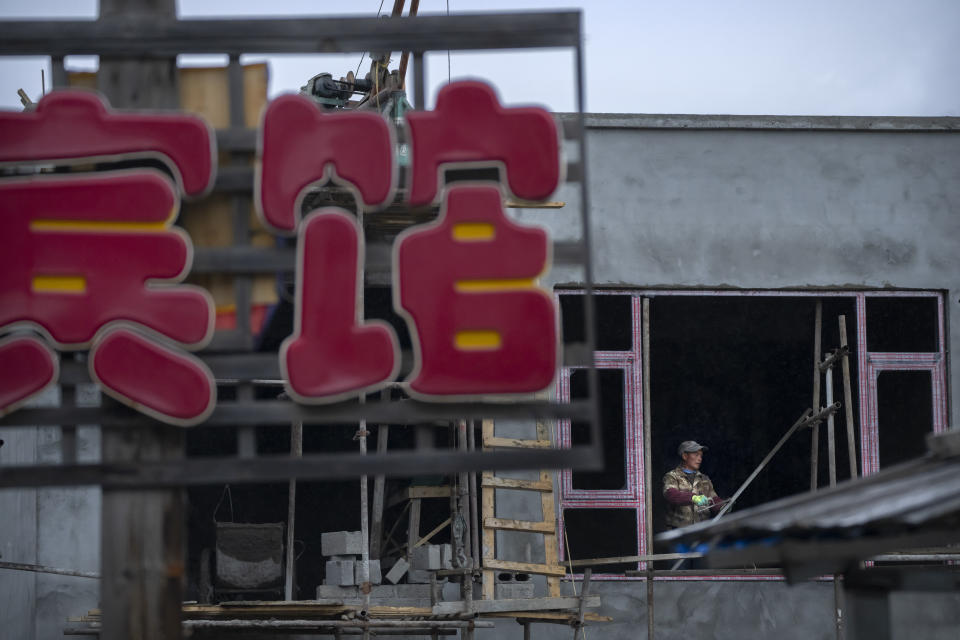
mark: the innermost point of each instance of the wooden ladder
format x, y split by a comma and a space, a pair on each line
491, 523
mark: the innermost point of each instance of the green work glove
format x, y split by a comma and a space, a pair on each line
701, 500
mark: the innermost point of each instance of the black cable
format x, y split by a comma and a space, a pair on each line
365, 53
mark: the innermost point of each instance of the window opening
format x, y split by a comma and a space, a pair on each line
612, 314
613, 475
601, 533
904, 414
902, 324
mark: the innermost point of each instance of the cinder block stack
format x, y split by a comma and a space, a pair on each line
344, 567
427, 558
511, 586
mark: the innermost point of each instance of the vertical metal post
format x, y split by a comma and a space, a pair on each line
419, 78
815, 427
831, 439
242, 283
848, 399
58, 73
141, 542
462, 514
868, 614
474, 517
68, 432
376, 515
839, 607
296, 450
142, 532
647, 465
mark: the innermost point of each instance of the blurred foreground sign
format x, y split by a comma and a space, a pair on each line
91, 261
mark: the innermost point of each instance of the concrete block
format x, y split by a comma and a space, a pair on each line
427, 556
446, 556
339, 572
413, 591
341, 543
397, 571
383, 592
336, 592
418, 576
345, 558
511, 590
375, 575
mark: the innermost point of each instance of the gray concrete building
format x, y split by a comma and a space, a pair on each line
731, 228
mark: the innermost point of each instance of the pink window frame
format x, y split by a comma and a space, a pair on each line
870, 365
632, 495
873, 363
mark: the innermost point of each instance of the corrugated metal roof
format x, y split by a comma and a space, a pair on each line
911, 504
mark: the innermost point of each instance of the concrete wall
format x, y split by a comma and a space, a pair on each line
772, 202
765, 203
53, 527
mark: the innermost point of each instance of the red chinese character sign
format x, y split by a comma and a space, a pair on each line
331, 354
91, 260
468, 286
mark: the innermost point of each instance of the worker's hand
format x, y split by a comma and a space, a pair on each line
700, 500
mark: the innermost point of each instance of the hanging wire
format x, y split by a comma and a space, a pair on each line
365, 53
226, 492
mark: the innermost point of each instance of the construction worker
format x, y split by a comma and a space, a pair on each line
689, 493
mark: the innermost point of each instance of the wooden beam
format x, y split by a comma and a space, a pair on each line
484, 607
435, 531
516, 443
507, 524
513, 483
524, 567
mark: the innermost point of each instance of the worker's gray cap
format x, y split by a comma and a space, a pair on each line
690, 446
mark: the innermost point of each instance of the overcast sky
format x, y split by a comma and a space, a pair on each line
817, 57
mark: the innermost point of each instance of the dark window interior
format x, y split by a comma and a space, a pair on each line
734, 373
601, 533
378, 304
321, 506
612, 315
613, 475
904, 325
905, 414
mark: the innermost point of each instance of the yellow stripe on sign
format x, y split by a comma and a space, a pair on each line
493, 285
473, 231
95, 225
59, 284
477, 340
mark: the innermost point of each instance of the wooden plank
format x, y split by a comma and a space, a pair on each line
515, 443
650, 557
815, 427
508, 524
524, 567
548, 508
425, 539
413, 526
487, 510
411, 493
513, 483
516, 605
847, 398
548, 616
376, 510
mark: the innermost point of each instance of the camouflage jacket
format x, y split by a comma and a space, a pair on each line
681, 515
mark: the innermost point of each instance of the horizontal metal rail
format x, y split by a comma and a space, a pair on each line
326, 466
283, 412
146, 37
39, 568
